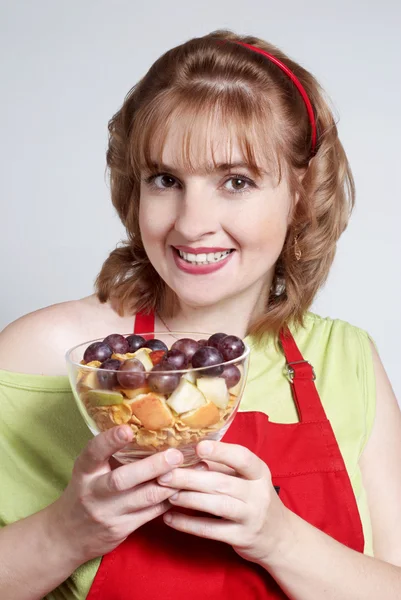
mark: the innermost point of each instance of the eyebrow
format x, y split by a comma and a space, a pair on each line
210, 168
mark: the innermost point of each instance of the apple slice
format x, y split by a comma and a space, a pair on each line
104, 397
131, 394
186, 397
152, 411
143, 355
202, 417
88, 381
190, 376
215, 390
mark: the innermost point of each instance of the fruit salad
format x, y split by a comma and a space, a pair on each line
170, 397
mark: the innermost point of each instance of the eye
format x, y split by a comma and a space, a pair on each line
161, 181
237, 184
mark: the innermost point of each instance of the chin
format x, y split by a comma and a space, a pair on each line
200, 300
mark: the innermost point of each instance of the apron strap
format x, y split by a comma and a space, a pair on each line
301, 376
144, 323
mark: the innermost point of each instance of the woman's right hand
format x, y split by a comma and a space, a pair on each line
101, 506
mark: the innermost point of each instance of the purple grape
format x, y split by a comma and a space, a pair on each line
232, 375
117, 343
187, 346
203, 342
155, 345
176, 359
106, 375
163, 383
231, 347
215, 339
97, 351
208, 356
135, 342
131, 374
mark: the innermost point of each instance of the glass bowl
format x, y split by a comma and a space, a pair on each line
166, 407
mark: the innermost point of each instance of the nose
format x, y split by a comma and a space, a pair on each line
198, 213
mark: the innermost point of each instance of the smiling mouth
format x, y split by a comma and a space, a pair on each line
209, 258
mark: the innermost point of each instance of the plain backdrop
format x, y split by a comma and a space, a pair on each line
65, 68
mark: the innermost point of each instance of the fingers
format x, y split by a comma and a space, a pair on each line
225, 507
100, 448
242, 460
143, 496
131, 475
204, 527
207, 482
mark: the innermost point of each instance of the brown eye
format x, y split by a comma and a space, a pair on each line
167, 181
238, 184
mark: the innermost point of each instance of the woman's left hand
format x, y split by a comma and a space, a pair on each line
252, 517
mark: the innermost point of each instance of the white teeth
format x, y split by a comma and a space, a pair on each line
203, 259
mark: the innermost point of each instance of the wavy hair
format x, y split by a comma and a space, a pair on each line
261, 107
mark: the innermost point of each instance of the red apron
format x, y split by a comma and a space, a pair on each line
309, 474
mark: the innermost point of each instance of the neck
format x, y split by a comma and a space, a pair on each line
232, 315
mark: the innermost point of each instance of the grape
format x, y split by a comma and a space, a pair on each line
175, 358
117, 343
135, 342
231, 347
131, 374
232, 375
163, 382
208, 356
106, 375
187, 346
203, 342
155, 345
97, 351
215, 339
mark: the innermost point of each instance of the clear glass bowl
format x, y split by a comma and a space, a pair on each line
165, 408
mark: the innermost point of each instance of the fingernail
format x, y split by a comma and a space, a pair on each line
168, 518
174, 496
173, 457
165, 478
122, 434
201, 467
205, 448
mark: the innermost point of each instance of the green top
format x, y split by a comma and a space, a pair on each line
42, 431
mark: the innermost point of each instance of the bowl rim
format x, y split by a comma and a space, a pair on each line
183, 334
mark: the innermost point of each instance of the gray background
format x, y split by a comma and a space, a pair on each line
65, 69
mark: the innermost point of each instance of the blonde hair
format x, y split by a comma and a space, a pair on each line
263, 109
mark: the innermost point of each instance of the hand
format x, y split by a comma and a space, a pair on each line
100, 507
240, 493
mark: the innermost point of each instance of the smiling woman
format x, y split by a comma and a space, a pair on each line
228, 174
239, 129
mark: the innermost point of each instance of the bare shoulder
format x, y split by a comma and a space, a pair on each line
37, 342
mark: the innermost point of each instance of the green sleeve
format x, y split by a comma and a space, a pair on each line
41, 434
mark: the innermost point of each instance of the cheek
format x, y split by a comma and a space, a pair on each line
154, 222
263, 229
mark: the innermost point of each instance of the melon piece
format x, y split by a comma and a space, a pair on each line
152, 411
202, 417
215, 390
104, 397
186, 397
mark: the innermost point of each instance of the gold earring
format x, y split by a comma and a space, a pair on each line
297, 249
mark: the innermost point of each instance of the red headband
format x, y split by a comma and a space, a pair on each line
297, 83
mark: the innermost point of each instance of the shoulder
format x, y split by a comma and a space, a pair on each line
334, 335
37, 342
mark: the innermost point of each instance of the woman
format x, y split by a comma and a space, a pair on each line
225, 152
